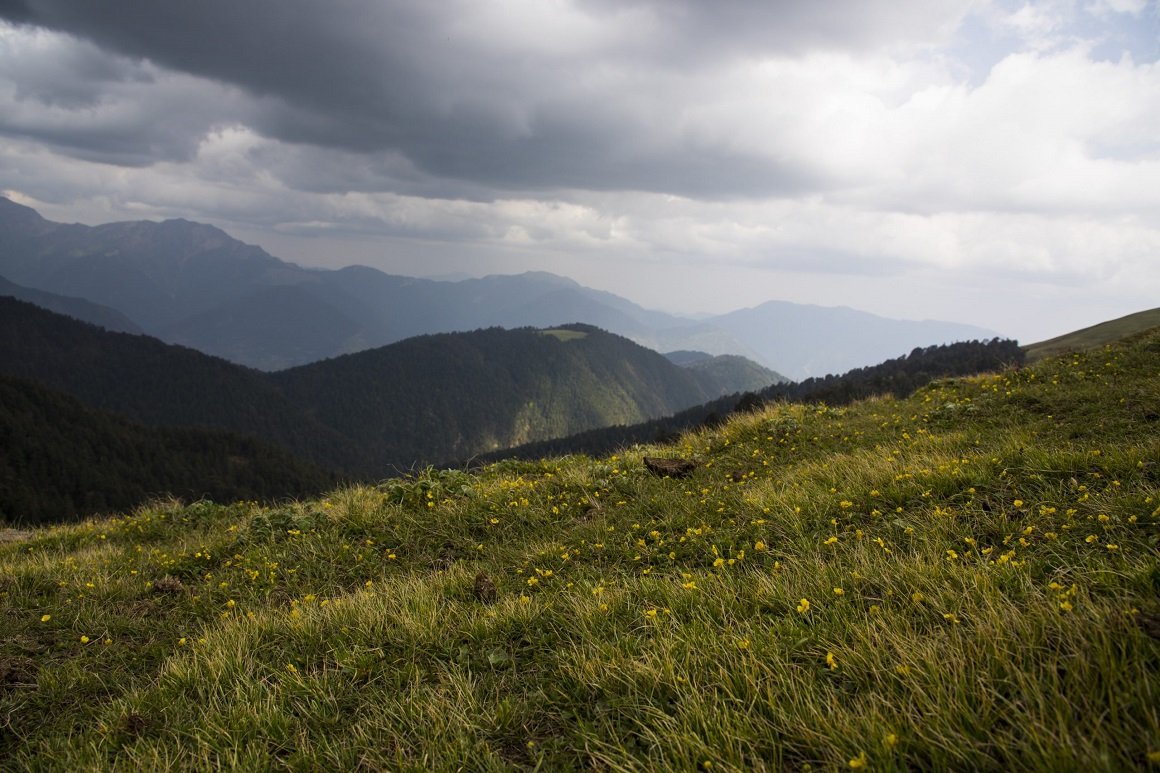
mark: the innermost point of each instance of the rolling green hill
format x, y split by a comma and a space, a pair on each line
964, 579
453, 395
425, 400
726, 373
1096, 335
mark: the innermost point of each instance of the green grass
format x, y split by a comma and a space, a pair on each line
979, 562
1095, 336
564, 335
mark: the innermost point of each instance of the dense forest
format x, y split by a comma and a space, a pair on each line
63, 460
902, 375
158, 384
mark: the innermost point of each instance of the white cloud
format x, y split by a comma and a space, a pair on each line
861, 162
1106, 7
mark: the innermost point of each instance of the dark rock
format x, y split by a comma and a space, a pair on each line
673, 468
168, 584
485, 590
1149, 623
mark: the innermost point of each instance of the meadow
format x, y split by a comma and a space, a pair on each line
965, 578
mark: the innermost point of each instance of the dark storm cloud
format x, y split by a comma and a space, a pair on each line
462, 95
94, 105
694, 29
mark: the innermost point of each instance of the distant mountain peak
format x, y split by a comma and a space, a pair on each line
18, 215
192, 283
539, 276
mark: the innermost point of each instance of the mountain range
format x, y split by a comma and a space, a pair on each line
426, 399
192, 284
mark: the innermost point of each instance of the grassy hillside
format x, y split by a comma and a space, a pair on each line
963, 579
898, 377
1096, 335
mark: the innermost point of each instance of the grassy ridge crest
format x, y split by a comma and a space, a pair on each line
1095, 335
964, 578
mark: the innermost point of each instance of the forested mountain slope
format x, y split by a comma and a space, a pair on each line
420, 401
63, 460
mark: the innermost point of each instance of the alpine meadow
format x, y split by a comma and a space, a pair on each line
965, 578
609, 386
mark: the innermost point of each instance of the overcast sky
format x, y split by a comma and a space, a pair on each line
980, 161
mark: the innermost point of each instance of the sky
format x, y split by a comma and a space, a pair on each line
980, 161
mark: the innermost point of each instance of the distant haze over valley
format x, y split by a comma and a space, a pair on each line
192, 284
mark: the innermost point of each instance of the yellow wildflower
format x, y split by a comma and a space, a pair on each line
839, 592
803, 606
831, 661
859, 761
45, 618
